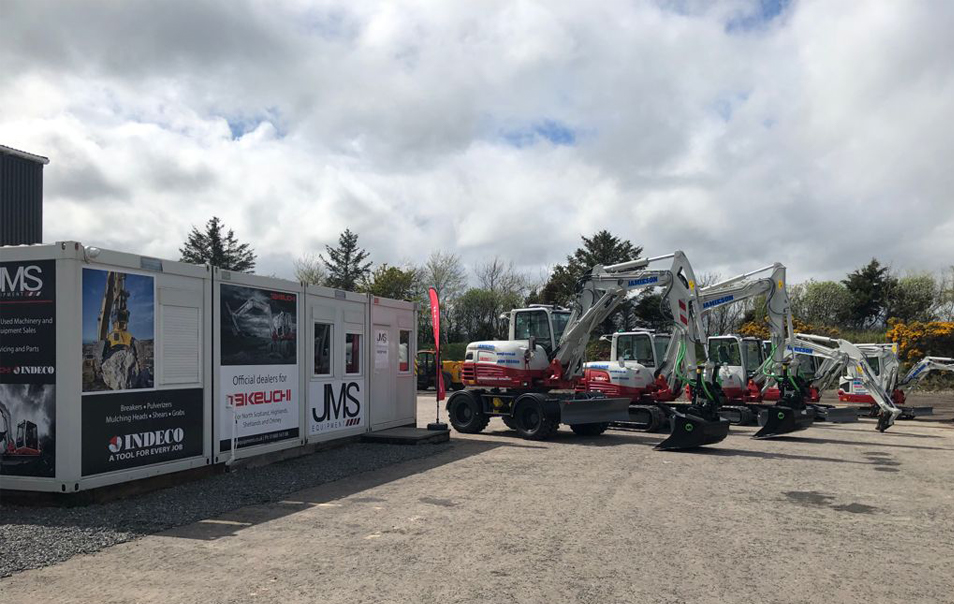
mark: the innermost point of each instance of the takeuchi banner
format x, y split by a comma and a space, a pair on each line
436, 323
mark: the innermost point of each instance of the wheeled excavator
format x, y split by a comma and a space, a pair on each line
533, 380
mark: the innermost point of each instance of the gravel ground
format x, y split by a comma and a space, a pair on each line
38, 537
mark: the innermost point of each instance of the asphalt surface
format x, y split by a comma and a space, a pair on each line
838, 513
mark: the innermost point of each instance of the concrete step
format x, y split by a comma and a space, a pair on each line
407, 436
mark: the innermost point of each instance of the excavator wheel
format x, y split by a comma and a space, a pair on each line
531, 420
465, 413
589, 429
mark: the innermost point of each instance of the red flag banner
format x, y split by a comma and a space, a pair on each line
436, 323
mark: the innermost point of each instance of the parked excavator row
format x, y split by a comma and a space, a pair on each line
535, 380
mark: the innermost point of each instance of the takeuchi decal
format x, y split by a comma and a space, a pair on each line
261, 397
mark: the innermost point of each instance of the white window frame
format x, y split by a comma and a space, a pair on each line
331, 356
344, 353
410, 350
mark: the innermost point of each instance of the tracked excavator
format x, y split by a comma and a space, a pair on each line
533, 380
884, 362
21, 446
837, 355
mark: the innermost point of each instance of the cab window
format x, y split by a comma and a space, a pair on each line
732, 352
535, 324
661, 343
875, 364
753, 356
560, 319
637, 348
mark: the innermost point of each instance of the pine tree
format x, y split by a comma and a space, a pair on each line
217, 247
346, 263
870, 287
602, 248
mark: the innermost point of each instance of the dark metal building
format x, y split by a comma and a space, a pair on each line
21, 197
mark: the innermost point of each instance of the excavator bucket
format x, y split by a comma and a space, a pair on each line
691, 431
779, 420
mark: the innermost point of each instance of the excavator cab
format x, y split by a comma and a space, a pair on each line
544, 323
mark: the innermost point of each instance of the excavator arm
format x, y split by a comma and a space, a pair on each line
605, 288
778, 308
843, 352
922, 369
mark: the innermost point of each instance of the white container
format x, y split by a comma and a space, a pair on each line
128, 394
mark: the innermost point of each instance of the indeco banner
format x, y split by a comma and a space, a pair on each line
131, 429
258, 379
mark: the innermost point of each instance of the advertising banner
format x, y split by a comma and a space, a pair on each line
119, 317
436, 324
336, 405
259, 366
132, 429
381, 349
28, 368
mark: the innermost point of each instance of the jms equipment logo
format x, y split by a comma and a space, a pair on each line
341, 409
24, 281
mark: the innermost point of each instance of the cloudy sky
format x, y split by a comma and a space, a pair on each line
816, 133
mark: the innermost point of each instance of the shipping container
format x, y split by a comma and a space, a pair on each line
21, 197
116, 367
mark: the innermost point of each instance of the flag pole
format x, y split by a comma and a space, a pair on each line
438, 370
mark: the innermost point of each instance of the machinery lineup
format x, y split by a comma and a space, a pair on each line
538, 378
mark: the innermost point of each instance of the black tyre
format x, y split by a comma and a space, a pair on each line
509, 422
531, 420
465, 413
589, 429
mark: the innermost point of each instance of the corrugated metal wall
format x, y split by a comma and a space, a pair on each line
21, 200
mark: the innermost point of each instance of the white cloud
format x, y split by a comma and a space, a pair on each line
817, 137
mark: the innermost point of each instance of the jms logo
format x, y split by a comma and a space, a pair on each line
345, 405
27, 281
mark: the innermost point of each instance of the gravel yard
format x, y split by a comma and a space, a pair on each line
42, 536
837, 513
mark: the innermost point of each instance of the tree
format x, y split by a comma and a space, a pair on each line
602, 248
826, 303
869, 287
444, 272
474, 314
913, 298
651, 312
506, 288
392, 282
310, 270
218, 247
346, 263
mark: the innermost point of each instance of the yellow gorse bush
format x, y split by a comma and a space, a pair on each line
918, 339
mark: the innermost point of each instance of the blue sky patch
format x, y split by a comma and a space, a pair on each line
550, 130
763, 12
